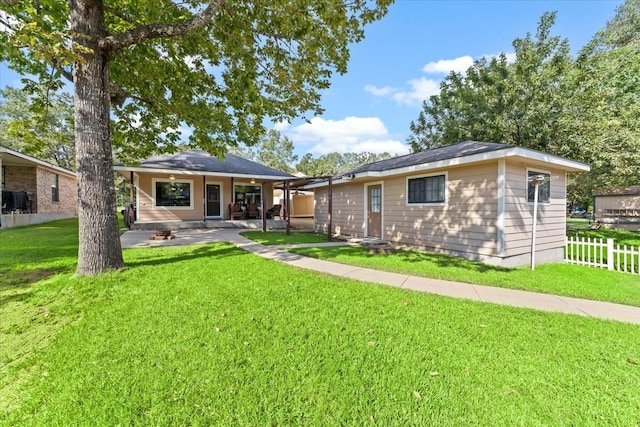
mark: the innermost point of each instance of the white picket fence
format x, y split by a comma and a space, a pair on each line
601, 253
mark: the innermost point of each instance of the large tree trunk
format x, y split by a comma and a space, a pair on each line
99, 248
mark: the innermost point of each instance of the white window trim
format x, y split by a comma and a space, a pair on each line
222, 206
526, 188
428, 204
173, 208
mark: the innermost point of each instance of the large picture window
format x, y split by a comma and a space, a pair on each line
427, 189
173, 194
544, 189
245, 194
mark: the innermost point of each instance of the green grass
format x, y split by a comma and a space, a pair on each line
213, 335
559, 279
580, 227
281, 238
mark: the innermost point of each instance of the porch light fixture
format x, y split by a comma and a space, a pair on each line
171, 177
253, 181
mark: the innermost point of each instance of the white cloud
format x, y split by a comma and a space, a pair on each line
421, 89
380, 91
281, 126
351, 134
444, 66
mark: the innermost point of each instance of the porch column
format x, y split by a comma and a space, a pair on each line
204, 198
287, 195
264, 209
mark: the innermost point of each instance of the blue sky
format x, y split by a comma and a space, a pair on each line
406, 54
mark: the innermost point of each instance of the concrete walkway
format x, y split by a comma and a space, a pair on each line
538, 301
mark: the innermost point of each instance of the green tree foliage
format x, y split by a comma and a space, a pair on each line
586, 109
602, 121
624, 29
496, 101
336, 163
273, 150
155, 67
39, 125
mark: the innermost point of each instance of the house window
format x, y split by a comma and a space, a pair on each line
55, 195
427, 189
544, 189
375, 199
173, 194
245, 194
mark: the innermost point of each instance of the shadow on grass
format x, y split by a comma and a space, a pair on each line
400, 257
152, 256
14, 279
14, 295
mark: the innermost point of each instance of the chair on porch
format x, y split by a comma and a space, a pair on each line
235, 211
252, 211
274, 212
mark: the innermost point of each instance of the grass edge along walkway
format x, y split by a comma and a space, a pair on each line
483, 293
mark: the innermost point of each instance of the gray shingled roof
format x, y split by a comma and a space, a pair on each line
461, 149
201, 161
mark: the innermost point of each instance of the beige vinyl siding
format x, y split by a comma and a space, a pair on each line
348, 209
550, 230
466, 223
147, 212
616, 202
629, 220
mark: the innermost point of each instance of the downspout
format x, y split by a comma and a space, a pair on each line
500, 225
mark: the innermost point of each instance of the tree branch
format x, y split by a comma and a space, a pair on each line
154, 31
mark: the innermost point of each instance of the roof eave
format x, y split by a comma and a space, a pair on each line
38, 162
525, 153
200, 173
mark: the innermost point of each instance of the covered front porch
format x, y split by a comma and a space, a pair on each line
249, 224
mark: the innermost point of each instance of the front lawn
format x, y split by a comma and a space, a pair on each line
213, 335
559, 279
281, 238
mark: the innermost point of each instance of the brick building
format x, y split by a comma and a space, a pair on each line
34, 191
